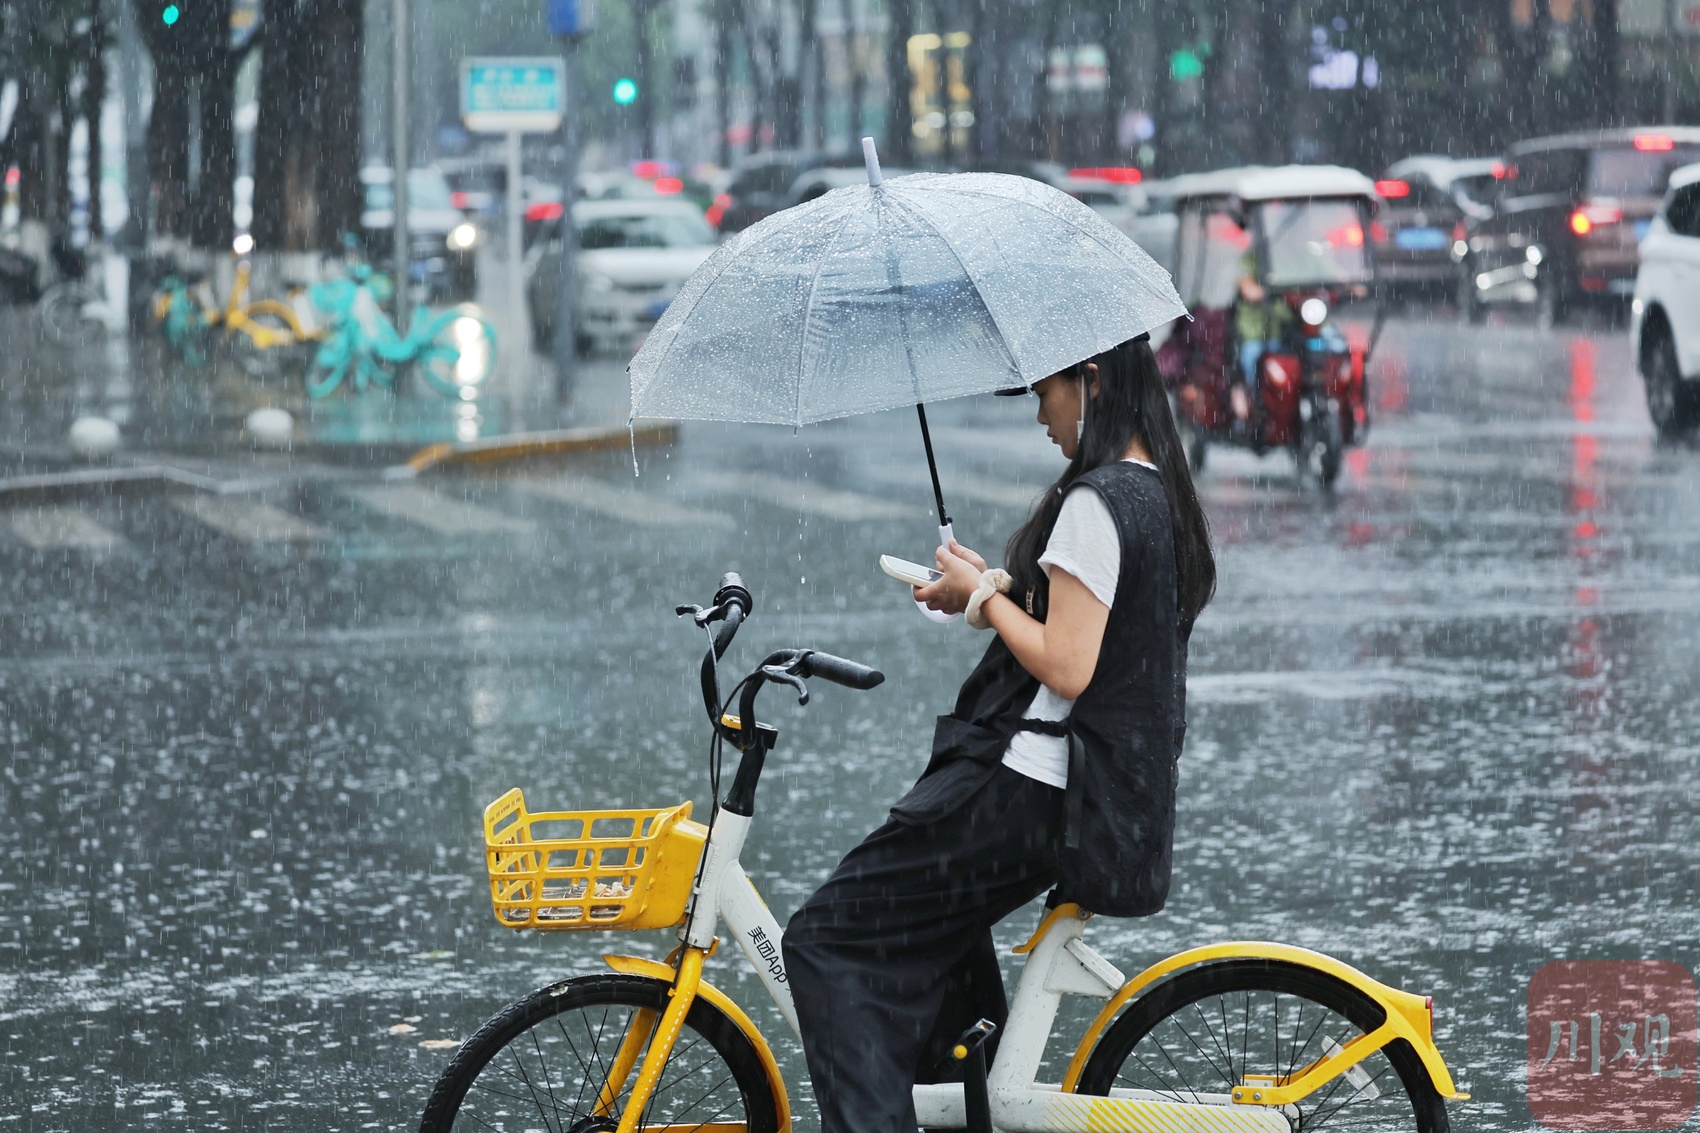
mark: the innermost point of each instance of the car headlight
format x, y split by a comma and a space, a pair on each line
463, 236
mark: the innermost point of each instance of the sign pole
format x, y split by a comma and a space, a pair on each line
516, 243
566, 332
401, 156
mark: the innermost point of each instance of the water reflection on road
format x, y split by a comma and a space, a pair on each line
1443, 726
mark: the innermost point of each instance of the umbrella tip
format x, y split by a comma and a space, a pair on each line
873, 161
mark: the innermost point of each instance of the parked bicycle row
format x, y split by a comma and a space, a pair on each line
333, 334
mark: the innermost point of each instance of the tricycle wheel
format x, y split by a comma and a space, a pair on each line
1321, 440
1197, 446
1470, 307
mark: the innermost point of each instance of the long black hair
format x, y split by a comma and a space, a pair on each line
1131, 402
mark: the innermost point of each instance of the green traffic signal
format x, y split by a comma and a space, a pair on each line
625, 92
170, 14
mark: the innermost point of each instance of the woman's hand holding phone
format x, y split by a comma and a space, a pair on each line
961, 568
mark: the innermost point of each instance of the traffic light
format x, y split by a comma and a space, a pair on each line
625, 92
169, 14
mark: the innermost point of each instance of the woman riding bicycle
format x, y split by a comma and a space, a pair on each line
1055, 770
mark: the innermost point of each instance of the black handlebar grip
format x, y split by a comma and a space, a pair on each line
841, 672
733, 592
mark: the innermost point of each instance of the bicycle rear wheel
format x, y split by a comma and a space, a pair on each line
1198, 1035
460, 356
541, 1063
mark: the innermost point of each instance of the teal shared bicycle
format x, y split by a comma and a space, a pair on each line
453, 351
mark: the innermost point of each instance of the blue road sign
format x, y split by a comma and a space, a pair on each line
524, 95
571, 17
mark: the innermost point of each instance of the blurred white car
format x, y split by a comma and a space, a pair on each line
1664, 321
633, 255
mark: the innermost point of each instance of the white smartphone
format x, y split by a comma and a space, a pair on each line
905, 571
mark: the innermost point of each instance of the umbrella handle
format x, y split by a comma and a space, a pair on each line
947, 533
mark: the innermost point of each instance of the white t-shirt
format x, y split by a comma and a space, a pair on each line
1085, 543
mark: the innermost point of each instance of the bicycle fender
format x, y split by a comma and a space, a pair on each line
1408, 1015
638, 966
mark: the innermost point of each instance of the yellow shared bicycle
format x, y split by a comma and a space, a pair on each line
1245, 1036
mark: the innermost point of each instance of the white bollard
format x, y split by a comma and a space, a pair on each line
94, 437
270, 428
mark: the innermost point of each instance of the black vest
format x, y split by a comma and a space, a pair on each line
1126, 728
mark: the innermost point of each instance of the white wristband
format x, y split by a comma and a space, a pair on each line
994, 581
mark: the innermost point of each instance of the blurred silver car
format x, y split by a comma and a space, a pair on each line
633, 255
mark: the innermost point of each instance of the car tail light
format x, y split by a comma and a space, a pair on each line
1120, 174
1589, 217
650, 170
545, 210
717, 211
1378, 231
1654, 143
1393, 190
668, 185
1498, 170
459, 200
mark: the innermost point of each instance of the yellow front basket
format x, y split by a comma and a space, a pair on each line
581, 869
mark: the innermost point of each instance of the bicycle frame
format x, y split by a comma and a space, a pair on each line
1058, 962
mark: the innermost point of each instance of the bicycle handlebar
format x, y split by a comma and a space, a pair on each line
850, 674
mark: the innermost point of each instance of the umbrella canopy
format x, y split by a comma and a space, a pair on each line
917, 289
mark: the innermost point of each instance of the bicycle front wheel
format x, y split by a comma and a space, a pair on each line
66, 316
546, 1062
1199, 1035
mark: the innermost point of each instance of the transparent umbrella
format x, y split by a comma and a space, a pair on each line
900, 292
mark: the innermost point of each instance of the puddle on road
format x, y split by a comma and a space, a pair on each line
1445, 734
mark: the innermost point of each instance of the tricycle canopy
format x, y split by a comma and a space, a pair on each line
1292, 227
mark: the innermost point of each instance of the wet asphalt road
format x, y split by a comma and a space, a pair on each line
1443, 725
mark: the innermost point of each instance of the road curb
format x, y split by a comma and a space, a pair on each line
59, 485
528, 446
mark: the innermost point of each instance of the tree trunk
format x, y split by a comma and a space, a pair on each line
641, 12
855, 54
1604, 54
94, 98
812, 85
1274, 87
722, 82
168, 147
899, 117
307, 190
749, 36
337, 121
212, 206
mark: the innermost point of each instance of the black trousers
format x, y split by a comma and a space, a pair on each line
892, 958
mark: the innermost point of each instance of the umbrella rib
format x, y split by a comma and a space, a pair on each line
972, 282
808, 309
1062, 216
725, 249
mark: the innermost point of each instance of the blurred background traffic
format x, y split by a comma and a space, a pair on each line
194, 169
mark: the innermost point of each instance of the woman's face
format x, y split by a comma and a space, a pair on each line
1059, 407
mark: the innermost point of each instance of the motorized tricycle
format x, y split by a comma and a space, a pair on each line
1264, 257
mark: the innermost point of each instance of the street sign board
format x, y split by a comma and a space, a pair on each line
571, 17
512, 95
